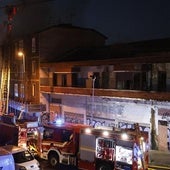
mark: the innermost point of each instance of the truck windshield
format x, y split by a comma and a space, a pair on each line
22, 157
58, 135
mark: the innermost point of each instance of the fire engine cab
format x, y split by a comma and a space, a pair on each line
91, 148
60, 143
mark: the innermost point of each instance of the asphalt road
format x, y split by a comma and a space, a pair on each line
45, 166
158, 161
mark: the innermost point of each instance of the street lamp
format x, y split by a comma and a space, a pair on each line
21, 54
93, 83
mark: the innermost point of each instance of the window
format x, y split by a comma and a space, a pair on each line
64, 80
55, 79
33, 89
74, 79
33, 44
16, 90
33, 67
23, 156
124, 80
161, 81
66, 135
21, 45
48, 133
22, 90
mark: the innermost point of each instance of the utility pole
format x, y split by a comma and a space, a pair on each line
21, 54
93, 85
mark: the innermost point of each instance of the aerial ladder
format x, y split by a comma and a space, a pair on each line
140, 140
5, 84
10, 10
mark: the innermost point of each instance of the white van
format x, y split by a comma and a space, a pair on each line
6, 160
23, 158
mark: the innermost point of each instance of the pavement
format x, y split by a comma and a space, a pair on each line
159, 159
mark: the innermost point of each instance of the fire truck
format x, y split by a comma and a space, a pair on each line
60, 143
91, 148
113, 149
24, 133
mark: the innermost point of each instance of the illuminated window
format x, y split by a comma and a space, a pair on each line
33, 45
16, 90
22, 90
33, 89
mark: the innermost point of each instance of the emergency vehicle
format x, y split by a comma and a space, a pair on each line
91, 148
22, 133
60, 143
6, 160
117, 149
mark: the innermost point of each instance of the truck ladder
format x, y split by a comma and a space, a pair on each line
5, 83
138, 135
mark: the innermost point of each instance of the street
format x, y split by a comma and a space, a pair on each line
45, 166
158, 160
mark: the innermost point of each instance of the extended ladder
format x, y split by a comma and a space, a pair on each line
5, 83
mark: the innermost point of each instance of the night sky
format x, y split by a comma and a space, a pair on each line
119, 20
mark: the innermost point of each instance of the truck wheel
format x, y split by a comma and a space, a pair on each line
53, 159
104, 166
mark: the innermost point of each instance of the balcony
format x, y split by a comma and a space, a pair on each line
134, 94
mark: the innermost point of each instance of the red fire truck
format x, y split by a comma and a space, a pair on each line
94, 149
22, 133
112, 149
60, 143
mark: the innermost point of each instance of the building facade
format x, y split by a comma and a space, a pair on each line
20, 83
68, 72
111, 86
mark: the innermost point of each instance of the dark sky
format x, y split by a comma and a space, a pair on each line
119, 20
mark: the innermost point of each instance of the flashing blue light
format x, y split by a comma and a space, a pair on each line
59, 121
